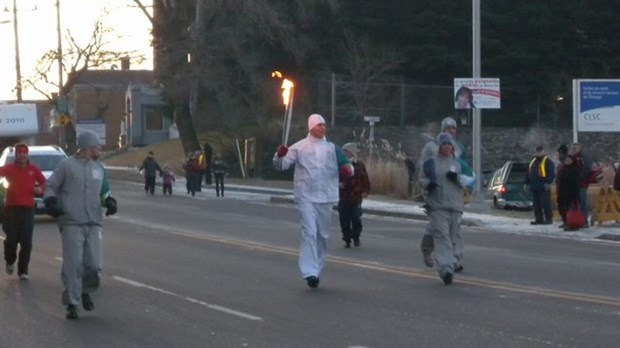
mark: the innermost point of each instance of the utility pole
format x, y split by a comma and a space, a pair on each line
18, 72
477, 119
59, 49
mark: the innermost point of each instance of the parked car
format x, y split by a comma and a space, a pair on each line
506, 186
46, 157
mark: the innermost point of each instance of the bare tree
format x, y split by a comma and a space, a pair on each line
76, 59
368, 64
230, 44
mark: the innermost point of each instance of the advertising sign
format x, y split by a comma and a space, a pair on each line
18, 120
479, 93
596, 105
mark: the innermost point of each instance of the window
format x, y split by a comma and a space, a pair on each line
154, 118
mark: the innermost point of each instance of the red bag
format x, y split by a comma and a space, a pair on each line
574, 216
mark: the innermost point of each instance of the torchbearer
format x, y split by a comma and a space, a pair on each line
318, 164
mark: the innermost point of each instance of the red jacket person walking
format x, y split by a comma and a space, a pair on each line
23, 178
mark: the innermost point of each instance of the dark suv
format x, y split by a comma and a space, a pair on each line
506, 186
45, 157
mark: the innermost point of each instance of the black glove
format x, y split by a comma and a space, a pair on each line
111, 206
51, 204
431, 186
452, 176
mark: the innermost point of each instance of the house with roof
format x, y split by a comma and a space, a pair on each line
123, 107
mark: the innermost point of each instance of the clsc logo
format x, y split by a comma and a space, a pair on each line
592, 116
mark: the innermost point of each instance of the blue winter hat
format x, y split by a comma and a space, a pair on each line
443, 138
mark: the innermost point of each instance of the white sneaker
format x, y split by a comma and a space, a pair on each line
10, 269
23, 276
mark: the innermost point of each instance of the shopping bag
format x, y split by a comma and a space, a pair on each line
574, 216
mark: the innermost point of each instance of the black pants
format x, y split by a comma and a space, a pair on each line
18, 225
350, 220
167, 188
219, 184
542, 206
149, 184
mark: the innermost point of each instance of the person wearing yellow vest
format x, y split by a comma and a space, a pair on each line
540, 176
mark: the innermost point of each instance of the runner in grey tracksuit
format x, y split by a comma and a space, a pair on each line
443, 178
76, 193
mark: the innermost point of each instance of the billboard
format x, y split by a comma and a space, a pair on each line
478, 93
596, 105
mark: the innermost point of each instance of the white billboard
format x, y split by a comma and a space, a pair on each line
478, 93
18, 120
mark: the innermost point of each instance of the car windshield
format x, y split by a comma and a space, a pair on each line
517, 173
44, 162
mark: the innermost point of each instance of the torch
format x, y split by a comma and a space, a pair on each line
287, 99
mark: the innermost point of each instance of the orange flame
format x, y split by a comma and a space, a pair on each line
287, 85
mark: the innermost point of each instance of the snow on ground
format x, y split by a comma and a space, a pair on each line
488, 219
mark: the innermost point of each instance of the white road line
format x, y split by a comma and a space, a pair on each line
189, 299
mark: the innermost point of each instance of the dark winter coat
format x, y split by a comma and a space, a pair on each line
150, 167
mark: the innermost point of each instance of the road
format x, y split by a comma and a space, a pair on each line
185, 272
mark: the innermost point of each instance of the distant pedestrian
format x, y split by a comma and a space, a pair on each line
193, 174
353, 190
168, 179
539, 177
208, 152
443, 179
585, 167
315, 185
410, 166
150, 167
76, 193
25, 180
219, 172
617, 177
567, 185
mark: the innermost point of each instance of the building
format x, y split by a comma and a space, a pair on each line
122, 106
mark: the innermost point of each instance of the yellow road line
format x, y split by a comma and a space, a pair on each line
566, 295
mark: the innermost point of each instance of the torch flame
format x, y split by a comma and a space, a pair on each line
286, 87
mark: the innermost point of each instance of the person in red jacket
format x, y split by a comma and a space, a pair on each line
18, 223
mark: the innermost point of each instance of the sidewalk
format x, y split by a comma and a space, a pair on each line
489, 219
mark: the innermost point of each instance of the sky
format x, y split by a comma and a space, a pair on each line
37, 32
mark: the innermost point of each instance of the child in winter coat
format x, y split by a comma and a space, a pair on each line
168, 179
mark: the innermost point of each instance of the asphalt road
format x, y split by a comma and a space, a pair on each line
184, 272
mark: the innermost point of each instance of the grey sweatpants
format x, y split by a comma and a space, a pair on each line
81, 261
445, 226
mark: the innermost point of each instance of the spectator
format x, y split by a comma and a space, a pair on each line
219, 172
353, 190
410, 165
567, 184
75, 194
617, 177
25, 181
315, 185
208, 152
585, 167
193, 174
168, 179
150, 167
539, 177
